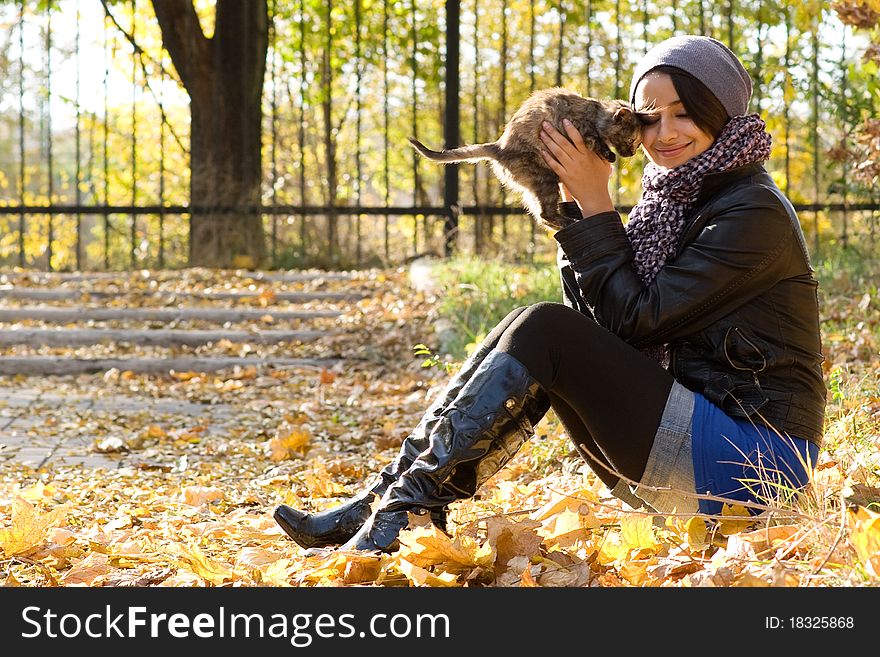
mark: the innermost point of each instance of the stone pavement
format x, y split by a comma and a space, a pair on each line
40, 428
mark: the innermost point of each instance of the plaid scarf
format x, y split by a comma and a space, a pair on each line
655, 223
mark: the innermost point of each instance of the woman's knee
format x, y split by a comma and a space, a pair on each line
546, 315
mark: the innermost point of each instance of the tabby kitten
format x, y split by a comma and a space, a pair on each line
515, 157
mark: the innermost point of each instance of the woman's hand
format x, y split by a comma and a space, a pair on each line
583, 175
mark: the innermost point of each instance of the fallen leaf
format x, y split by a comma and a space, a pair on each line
288, 445
199, 495
864, 530
29, 527
637, 532
735, 518
197, 562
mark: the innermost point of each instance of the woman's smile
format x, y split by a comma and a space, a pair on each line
671, 151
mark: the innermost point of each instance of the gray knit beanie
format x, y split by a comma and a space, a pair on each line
708, 60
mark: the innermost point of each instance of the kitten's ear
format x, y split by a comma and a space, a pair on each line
622, 114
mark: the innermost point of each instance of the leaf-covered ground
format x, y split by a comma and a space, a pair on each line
185, 502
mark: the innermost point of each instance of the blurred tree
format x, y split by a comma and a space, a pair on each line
865, 15
223, 75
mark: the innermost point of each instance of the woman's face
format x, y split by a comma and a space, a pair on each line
669, 137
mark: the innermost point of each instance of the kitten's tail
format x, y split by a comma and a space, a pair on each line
472, 153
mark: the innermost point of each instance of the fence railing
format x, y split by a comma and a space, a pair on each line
94, 125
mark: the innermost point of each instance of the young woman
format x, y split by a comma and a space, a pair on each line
686, 360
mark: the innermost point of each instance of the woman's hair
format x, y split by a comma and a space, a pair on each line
703, 108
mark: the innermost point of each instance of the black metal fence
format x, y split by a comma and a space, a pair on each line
94, 125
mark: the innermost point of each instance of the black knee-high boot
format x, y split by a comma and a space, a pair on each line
337, 525
492, 416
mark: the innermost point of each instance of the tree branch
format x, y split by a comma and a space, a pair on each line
141, 54
184, 40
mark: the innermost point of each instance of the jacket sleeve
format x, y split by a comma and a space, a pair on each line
571, 294
741, 251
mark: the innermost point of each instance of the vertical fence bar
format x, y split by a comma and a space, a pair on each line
77, 172
385, 122
532, 45
451, 128
302, 128
759, 59
786, 85
273, 79
415, 107
618, 48
530, 248
479, 216
844, 178
22, 179
330, 140
50, 164
106, 150
588, 46
163, 80
560, 50
358, 111
731, 10
134, 187
814, 120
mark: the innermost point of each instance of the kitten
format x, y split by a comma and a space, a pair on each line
519, 166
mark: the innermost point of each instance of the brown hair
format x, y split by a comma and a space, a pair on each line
704, 109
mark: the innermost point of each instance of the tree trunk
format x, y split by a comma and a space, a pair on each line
223, 76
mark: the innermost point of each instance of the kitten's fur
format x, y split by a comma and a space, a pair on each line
515, 157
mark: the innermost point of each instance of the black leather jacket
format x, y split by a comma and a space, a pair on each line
737, 305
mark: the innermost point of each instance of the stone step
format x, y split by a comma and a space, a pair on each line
12, 292
158, 337
42, 277
64, 365
59, 315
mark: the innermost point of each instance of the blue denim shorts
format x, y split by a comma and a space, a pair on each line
700, 449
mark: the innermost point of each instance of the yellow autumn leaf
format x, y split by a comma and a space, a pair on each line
696, 533
637, 532
37, 492
198, 563
288, 444
748, 580
611, 549
735, 518
200, 495
424, 577
564, 501
864, 533
155, 431
565, 528
428, 546
635, 572
277, 573
358, 571
29, 527
320, 484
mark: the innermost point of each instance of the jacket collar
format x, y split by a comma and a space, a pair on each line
713, 182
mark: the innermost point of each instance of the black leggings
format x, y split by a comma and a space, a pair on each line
608, 395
